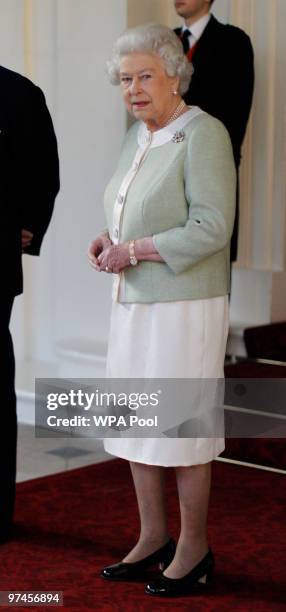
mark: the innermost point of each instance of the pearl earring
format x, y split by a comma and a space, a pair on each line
175, 93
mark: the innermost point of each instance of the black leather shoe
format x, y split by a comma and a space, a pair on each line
200, 575
130, 571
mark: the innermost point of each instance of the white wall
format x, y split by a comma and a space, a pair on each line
91, 126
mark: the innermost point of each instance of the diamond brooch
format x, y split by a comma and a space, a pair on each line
179, 136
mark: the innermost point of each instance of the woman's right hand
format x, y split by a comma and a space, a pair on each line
96, 247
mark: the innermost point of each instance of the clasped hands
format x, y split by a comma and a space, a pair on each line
104, 256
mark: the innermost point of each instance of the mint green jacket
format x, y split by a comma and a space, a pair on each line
183, 196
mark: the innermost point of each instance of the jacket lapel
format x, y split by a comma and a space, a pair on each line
208, 42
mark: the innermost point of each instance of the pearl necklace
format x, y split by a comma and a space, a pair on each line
176, 113
181, 106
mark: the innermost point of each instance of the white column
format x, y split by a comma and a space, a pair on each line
259, 280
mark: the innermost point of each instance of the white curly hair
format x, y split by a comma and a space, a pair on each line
154, 39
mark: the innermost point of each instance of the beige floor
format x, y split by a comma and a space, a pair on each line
43, 456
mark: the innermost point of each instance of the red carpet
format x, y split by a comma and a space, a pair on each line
270, 452
72, 524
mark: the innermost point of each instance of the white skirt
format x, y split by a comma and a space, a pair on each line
184, 339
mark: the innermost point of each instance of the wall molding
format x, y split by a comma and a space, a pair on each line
29, 8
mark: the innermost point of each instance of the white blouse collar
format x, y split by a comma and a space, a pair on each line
166, 133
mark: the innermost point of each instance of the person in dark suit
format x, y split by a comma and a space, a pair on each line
223, 79
28, 187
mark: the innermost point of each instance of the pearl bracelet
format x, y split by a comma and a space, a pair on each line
132, 256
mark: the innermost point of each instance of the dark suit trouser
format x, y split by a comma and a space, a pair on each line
8, 416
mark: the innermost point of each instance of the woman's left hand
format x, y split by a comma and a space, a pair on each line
114, 258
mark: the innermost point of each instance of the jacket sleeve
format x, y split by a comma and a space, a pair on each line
210, 191
40, 170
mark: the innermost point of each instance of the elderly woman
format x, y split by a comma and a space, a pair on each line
170, 211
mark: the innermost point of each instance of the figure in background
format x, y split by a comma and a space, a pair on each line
223, 79
29, 184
